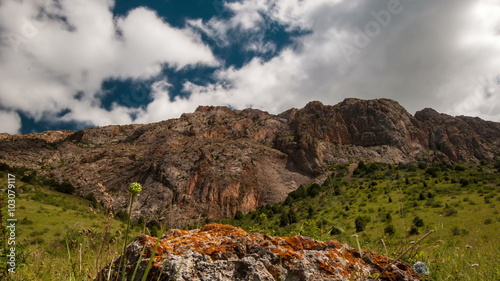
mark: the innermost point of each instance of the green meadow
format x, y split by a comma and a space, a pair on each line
388, 207
59, 235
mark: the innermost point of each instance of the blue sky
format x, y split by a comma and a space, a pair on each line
81, 63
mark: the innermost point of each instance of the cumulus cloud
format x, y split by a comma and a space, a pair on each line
423, 54
441, 54
11, 122
54, 56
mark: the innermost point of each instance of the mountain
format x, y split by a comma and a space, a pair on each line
216, 161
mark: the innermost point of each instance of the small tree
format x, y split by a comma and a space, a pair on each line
314, 190
413, 230
464, 182
390, 230
284, 218
421, 196
418, 222
239, 215
310, 212
360, 223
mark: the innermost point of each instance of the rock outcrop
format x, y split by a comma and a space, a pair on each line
219, 252
216, 161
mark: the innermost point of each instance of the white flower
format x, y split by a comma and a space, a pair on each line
421, 268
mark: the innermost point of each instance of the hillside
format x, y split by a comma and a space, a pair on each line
385, 208
214, 162
386, 205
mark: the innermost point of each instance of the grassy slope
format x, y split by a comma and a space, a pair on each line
46, 220
460, 214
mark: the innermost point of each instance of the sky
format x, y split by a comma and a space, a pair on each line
73, 64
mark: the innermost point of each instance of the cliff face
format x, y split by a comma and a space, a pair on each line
215, 161
222, 252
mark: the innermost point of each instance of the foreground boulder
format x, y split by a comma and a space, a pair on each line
223, 252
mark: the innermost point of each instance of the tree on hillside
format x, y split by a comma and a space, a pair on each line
360, 223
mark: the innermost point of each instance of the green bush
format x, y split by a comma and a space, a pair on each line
431, 171
313, 190
360, 223
464, 182
390, 230
418, 222
449, 212
239, 215
413, 230
456, 231
288, 217
121, 215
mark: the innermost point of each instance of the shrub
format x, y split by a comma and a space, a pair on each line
313, 190
432, 171
300, 192
413, 230
310, 212
449, 212
360, 223
421, 196
388, 217
456, 231
121, 215
288, 217
464, 182
390, 229
418, 222
25, 221
422, 166
239, 215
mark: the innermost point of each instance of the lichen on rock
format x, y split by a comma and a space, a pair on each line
223, 252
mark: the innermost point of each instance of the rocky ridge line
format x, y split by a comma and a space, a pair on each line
216, 161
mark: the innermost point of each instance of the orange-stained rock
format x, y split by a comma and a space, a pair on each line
223, 252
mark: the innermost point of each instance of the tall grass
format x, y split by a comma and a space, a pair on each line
464, 217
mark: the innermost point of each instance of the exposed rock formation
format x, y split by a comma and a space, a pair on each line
215, 161
221, 252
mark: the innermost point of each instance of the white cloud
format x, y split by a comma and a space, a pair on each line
11, 122
440, 54
423, 54
48, 56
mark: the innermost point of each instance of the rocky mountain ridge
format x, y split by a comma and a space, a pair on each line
216, 161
